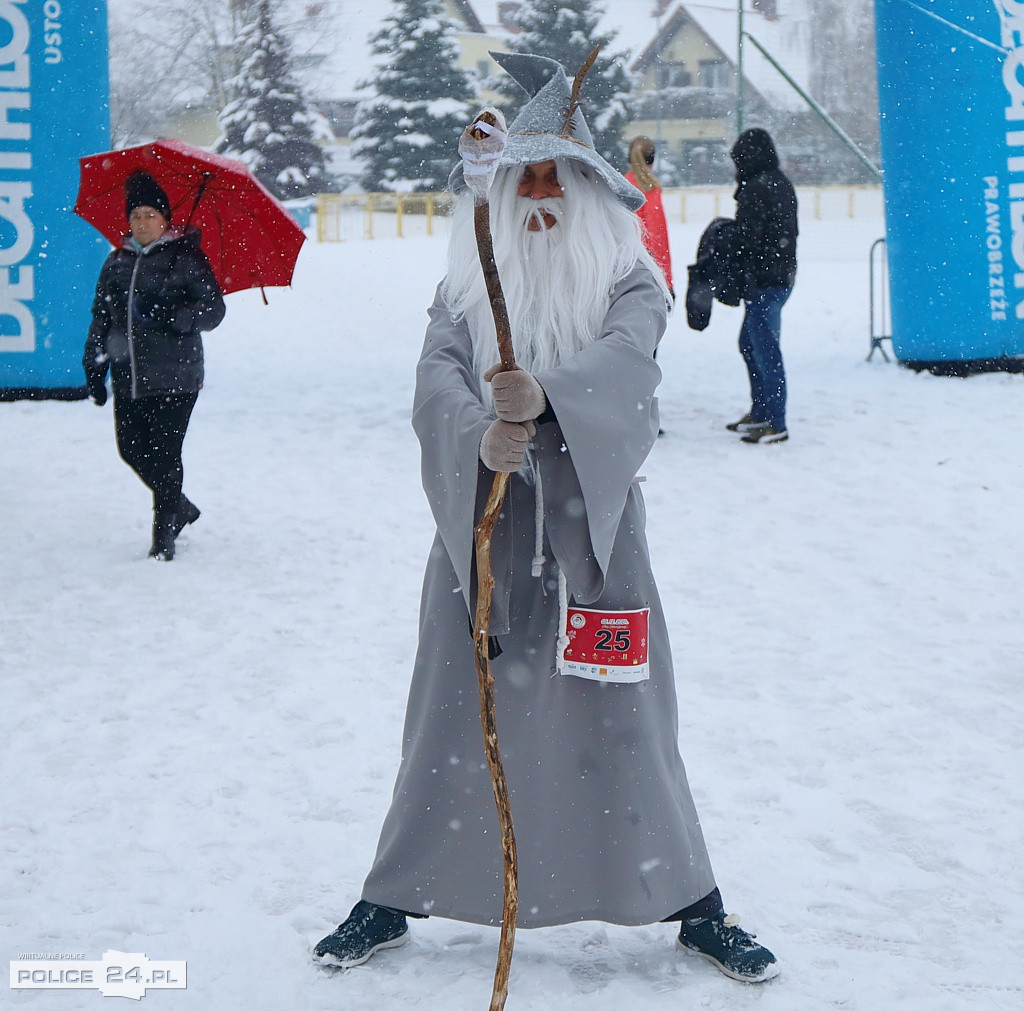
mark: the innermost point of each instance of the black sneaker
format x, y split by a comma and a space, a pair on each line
746, 424
727, 946
765, 434
368, 929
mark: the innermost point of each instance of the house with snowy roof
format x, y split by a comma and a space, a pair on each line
686, 74
684, 58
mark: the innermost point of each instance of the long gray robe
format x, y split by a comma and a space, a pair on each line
605, 825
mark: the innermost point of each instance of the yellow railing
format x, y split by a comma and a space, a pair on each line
342, 216
701, 203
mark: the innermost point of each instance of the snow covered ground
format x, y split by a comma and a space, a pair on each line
197, 756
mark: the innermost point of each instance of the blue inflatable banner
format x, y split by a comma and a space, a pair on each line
54, 108
951, 100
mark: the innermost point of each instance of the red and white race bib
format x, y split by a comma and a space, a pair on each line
607, 645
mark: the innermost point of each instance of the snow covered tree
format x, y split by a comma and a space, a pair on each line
567, 32
172, 67
407, 134
268, 124
146, 81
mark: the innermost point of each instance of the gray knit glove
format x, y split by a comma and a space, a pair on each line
504, 445
517, 395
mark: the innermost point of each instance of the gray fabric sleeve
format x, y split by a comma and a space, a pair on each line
450, 420
603, 398
607, 421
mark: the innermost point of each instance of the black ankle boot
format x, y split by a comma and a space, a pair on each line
188, 512
164, 527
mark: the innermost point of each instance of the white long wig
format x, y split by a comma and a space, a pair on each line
557, 281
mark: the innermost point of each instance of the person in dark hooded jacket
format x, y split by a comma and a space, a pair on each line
155, 296
766, 231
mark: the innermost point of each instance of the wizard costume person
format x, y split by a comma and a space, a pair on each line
604, 821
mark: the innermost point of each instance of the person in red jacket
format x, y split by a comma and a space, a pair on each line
652, 214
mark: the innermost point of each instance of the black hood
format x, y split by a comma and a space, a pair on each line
753, 153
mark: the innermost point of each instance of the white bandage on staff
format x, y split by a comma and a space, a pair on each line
480, 158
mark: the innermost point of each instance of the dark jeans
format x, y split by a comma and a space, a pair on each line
150, 432
759, 345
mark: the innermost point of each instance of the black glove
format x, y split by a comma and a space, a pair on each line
97, 388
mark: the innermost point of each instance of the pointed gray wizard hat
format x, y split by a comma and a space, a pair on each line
548, 127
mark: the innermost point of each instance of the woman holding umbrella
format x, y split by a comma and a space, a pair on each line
155, 296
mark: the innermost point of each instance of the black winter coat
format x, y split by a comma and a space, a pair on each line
148, 313
765, 212
717, 274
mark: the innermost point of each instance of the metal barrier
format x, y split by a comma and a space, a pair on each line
878, 293
344, 216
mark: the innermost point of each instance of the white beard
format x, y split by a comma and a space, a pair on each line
557, 281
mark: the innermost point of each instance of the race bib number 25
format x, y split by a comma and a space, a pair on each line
607, 645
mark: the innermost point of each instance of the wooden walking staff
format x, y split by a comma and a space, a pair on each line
481, 146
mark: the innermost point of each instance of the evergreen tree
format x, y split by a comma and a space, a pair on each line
407, 135
567, 32
268, 124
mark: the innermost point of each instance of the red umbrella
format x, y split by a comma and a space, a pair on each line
249, 238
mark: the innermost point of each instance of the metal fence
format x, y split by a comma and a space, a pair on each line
343, 217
